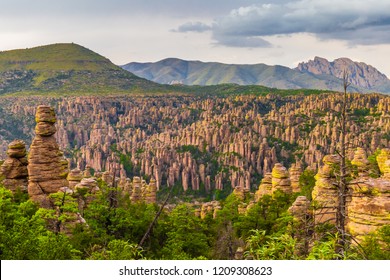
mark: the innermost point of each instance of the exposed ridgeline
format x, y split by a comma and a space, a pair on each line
361, 75
203, 143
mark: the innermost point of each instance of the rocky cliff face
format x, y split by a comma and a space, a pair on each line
360, 74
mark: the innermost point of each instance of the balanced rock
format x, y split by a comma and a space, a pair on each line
280, 179
14, 168
74, 177
47, 168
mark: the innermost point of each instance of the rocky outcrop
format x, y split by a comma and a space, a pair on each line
383, 160
74, 177
295, 172
300, 208
369, 207
360, 74
325, 193
14, 168
265, 187
361, 162
208, 208
47, 168
280, 179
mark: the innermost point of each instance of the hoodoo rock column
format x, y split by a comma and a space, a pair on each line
47, 168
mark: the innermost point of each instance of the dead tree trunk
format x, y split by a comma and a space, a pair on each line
342, 186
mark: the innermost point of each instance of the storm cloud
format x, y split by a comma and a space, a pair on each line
363, 22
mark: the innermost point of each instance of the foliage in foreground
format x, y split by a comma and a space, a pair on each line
112, 232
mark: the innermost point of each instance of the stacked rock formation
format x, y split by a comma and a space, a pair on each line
240, 192
300, 208
369, 207
136, 194
14, 168
383, 160
265, 187
74, 177
295, 172
47, 168
361, 162
151, 192
325, 193
280, 179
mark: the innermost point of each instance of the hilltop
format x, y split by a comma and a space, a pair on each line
65, 68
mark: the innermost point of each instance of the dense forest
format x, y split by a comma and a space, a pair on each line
113, 231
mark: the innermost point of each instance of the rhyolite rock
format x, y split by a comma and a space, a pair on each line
369, 208
325, 193
47, 168
14, 168
265, 187
74, 177
300, 208
280, 179
361, 162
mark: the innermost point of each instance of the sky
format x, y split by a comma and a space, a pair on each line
274, 32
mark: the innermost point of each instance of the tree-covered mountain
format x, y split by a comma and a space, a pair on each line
173, 70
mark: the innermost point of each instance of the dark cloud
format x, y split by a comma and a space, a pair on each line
363, 22
193, 27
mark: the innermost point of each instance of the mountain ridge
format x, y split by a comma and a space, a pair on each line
174, 70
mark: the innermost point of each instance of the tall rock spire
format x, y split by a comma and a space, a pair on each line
47, 168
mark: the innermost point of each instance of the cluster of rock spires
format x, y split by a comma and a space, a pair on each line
172, 151
46, 171
207, 143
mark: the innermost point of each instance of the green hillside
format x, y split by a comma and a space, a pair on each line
65, 69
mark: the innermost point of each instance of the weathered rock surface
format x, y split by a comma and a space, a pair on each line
265, 187
14, 168
369, 208
300, 208
173, 138
325, 192
280, 179
47, 168
74, 177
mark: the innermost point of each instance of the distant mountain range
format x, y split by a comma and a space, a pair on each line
73, 69
315, 74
